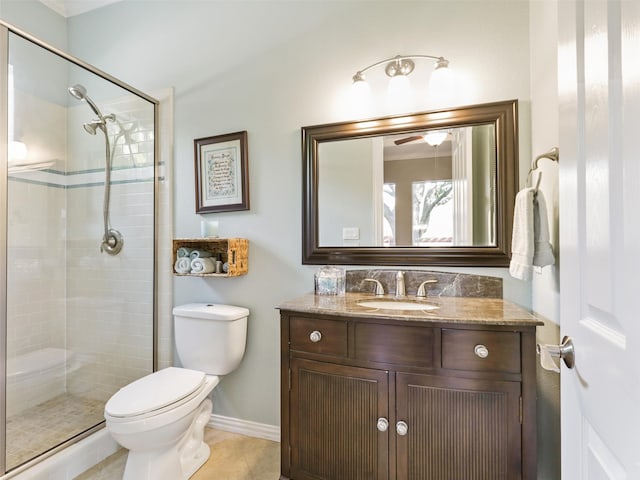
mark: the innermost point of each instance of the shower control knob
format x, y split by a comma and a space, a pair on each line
315, 336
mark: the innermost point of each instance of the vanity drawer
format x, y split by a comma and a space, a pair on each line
479, 350
314, 335
396, 344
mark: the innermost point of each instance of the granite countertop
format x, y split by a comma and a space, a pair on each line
468, 310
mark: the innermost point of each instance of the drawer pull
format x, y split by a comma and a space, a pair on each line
481, 351
402, 428
315, 336
383, 424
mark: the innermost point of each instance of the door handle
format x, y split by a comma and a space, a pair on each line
565, 351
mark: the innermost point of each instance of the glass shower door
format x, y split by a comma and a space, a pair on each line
79, 319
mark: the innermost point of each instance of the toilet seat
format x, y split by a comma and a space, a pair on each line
164, 416
154, 394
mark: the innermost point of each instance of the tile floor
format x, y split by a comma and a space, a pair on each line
233, 457
55, 420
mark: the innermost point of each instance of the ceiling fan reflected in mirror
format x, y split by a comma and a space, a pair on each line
434, 138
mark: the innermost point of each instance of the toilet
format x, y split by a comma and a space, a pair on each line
160, 418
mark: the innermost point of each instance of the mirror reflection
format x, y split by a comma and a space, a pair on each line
428, 188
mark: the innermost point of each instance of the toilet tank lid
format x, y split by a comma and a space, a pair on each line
154, 391
211, 311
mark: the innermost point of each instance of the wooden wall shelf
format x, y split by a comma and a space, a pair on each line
234, 252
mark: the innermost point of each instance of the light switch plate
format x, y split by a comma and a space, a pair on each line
351, 233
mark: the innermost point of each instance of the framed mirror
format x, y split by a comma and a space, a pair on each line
431, 188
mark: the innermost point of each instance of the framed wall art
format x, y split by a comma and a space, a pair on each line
222, 173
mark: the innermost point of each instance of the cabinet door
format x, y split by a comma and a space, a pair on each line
333, 422
458, 428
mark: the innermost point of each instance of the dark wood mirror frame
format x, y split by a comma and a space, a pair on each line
503, 115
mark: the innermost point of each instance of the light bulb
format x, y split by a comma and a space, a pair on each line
360, 89
360, 96
442, 87
399, 91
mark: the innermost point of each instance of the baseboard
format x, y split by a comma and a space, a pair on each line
245, 427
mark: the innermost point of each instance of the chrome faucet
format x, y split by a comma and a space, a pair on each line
422, 291
400, 289
379, 287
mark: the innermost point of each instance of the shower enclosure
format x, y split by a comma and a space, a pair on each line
78, 188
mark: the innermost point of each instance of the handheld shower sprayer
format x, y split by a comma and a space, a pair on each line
112, 240
79, 92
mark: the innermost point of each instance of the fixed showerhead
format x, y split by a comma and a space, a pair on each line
92, 126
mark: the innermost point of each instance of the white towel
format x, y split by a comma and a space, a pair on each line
530, 237
183, 265
542, 252
199, 254
183, 252
203, 265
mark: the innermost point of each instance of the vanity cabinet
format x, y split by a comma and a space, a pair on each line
386, 399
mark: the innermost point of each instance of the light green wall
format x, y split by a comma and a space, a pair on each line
345, 178
546, 283
34, 18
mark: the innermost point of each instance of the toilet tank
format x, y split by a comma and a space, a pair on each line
210, 337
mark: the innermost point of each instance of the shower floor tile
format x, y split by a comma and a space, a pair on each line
40, 428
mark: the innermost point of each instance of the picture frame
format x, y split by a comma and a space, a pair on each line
222, 173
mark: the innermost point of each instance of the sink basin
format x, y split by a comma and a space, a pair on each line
388, 304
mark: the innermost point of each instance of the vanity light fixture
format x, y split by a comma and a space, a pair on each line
398, 68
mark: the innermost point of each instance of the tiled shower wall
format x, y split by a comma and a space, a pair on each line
35, 269
63, 292
36, 240
110, 298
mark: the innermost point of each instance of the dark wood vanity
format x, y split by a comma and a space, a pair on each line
446, 394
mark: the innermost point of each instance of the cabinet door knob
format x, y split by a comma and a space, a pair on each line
402, 428
481, 351
315, 336
383, 424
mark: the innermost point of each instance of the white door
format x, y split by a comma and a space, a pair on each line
599, 87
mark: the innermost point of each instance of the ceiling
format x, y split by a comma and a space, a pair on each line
71, 8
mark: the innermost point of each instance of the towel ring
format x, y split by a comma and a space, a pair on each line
553, 155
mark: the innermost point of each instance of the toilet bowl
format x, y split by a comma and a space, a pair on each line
160, 418
157, 418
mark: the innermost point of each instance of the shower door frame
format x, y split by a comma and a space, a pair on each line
5, 30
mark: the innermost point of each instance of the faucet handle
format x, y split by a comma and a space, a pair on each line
422, 291
379, 287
